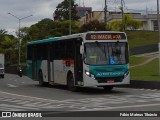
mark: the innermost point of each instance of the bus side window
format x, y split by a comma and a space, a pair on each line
42, 51
29, 52
69, 50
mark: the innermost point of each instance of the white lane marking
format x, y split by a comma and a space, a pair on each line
18, 107
29, 97
121, 107
10, 85
90, 104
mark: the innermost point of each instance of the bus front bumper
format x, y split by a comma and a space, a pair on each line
88, 81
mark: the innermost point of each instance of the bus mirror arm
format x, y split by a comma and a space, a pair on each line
81, 49
83, 56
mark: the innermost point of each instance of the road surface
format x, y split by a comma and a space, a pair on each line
23, 94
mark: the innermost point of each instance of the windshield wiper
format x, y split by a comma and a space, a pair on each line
101, 48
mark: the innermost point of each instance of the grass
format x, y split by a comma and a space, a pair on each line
146, 72
141, 38
137, 60
150, 70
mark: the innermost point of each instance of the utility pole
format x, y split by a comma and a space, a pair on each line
70, 18
158, 21
122, 15
105, 12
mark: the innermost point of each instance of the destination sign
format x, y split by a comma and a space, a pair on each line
105, 36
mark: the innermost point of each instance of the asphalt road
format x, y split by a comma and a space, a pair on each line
149, 55
23, 94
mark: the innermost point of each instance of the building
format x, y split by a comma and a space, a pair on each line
149, 21
90, 16
81, 11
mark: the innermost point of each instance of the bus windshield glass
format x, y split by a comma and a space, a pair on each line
1, 65
110, 53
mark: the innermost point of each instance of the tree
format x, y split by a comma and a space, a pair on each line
115, 25
127, 23
3, 32
62, 11
8, 46
41, 30
63, 29
94, 25
48, 28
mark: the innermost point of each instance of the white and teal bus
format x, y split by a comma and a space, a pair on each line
80, 60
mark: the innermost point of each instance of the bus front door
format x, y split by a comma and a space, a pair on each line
78, 68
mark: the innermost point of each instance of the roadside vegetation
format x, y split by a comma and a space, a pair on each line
142, 38
147, 71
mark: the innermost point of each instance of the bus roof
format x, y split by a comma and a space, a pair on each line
68, 37
43, 40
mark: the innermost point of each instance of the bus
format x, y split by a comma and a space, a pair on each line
95, 58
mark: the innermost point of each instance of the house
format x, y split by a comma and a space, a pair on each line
149, 21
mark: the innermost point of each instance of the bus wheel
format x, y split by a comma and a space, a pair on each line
40, 79
70, 83
108, 88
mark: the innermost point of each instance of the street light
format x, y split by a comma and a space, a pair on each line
19, 44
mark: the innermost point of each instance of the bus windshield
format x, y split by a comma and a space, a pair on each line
1, 65
110, 53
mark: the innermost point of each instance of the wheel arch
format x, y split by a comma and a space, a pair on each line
68, 74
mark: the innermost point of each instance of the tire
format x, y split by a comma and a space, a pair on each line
2, 76
20, 75
40, 79
70, 83
108, 88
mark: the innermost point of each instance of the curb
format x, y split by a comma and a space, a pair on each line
143, 84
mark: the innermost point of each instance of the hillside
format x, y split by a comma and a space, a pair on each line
141, 38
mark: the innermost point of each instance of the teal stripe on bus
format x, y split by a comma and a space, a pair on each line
44, 40
108, 70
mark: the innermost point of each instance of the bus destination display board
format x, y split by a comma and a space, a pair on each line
105, 36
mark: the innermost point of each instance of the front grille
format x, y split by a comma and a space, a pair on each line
107, 80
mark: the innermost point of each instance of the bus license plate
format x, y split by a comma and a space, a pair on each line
110, 81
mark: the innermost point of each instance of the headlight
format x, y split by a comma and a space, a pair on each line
89, 74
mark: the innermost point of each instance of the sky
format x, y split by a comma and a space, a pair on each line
40, 9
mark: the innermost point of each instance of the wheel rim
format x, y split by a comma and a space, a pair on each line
40, 79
